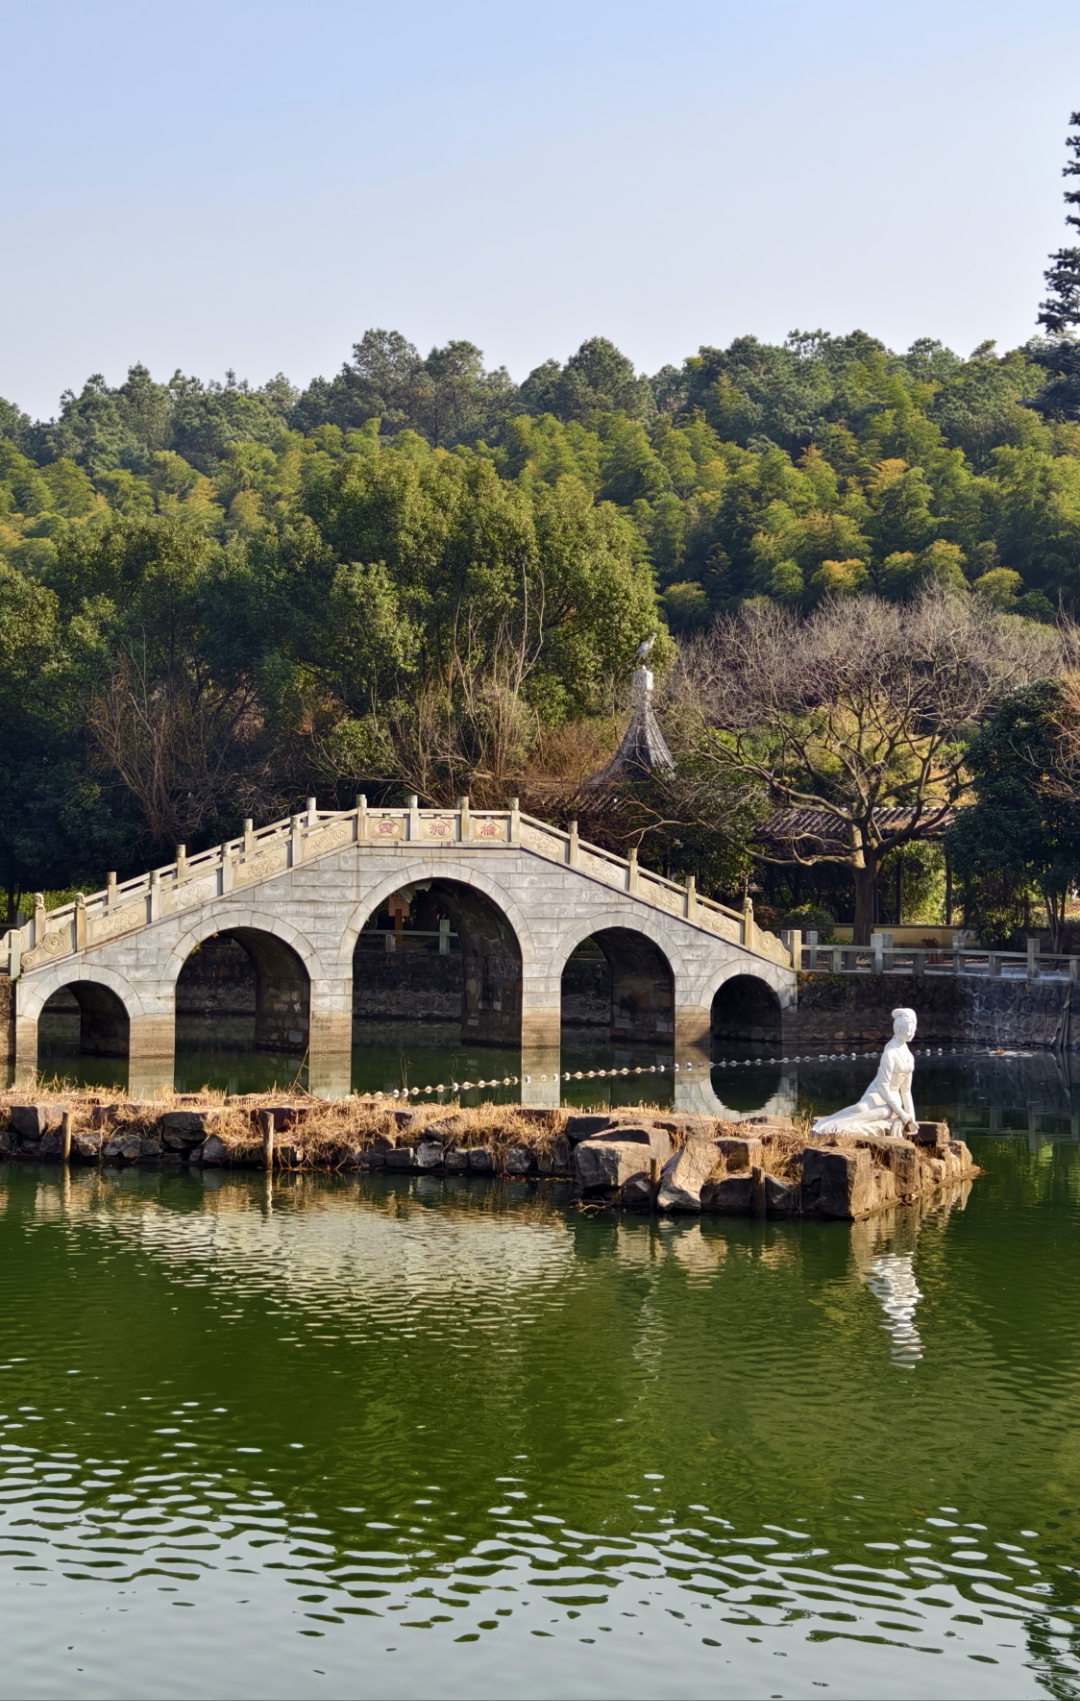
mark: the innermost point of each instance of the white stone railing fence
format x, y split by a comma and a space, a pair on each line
882, 959
124, 907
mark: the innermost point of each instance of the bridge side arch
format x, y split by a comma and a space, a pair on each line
627, 920
35, 990
112, 1014
780, 981
643, 972
242, 919
747, 1002
288, 972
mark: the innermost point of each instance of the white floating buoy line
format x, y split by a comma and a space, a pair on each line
656, 1069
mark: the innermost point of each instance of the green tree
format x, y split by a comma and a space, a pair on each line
1024, 826
1059, 355
56, 825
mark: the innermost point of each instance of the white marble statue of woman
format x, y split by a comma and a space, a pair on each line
885, 1107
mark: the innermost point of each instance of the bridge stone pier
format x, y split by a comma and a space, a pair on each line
296, 895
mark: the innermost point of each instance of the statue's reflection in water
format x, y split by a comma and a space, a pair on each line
891, 1278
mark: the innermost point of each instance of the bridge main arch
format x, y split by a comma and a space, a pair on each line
485, 974
440, 868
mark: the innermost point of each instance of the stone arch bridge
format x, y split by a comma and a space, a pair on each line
297, 894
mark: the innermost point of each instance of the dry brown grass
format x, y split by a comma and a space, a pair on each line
323, 1135
328, 1133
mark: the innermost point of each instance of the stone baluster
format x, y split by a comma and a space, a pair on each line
515, 821
249, 837
632, 874
110, 891
155, 896
312, 813
691, 898
181, 862
296, 842
361, 818
39, 917
414, 818
572, 847
463, 811
80, 922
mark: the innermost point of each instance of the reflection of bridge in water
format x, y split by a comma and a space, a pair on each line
294, 898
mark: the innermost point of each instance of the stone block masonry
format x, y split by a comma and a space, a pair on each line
953, 1010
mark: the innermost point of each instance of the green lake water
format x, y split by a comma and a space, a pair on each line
418, 1437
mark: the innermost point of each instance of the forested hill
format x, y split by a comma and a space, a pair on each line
418, 575
829, 464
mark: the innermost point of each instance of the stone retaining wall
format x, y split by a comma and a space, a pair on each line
639, 1159
1014, 1015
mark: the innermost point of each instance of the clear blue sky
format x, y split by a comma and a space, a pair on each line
252, 183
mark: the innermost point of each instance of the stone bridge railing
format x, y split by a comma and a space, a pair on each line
125, 907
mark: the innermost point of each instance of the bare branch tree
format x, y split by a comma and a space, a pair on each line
182, 746
862, 708
472, 728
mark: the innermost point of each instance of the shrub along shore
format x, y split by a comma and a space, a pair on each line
637, 1158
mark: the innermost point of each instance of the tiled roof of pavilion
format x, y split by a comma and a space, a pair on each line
822, 833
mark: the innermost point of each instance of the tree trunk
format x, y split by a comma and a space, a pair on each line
865, 878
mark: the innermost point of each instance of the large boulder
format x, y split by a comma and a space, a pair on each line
613, 1158
428, 1154
602, 1164
584, 1126
733, 1195
555, 1160
519, 1161
456, 1160
684, 1175
214, 1151
657, 1139
690, 1125
782, 1198
839, 1181
480, 1159
127, 1147
181, 1128
740, 1153
31, 1121
934, 1135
